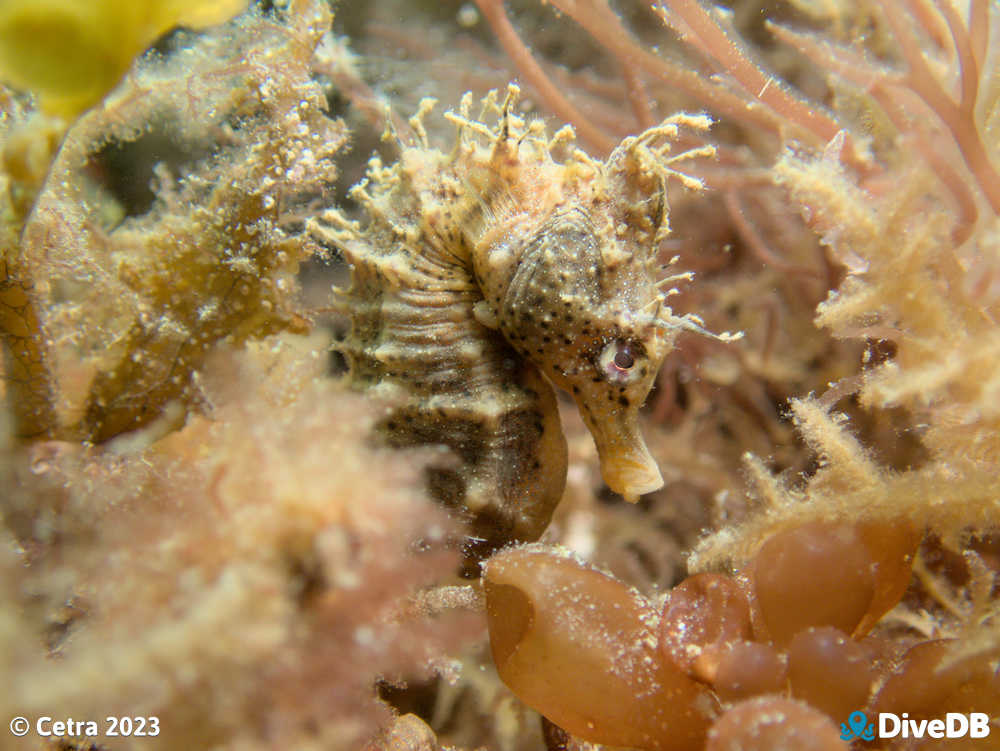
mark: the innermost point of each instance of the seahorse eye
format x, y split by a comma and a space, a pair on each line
617, 360
623, 359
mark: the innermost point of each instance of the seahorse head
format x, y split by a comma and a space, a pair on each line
586, 314
567, 267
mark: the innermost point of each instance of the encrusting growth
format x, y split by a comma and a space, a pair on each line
488, 273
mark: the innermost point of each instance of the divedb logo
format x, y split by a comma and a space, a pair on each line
954, 725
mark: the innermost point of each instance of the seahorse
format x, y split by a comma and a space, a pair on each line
485, 276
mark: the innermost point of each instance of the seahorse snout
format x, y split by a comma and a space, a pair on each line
626, 464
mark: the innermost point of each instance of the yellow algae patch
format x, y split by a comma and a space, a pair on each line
70, 53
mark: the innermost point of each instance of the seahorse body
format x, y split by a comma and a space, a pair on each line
481, 270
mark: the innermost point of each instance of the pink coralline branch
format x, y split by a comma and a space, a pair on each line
957, 116
735, 60
900, 96
781, 112
766, 103
931, 22
979, 30
598, 20
967, 64
704, 32
637, 96
753, 240
536, 77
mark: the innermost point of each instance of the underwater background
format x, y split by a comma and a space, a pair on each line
208, 517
